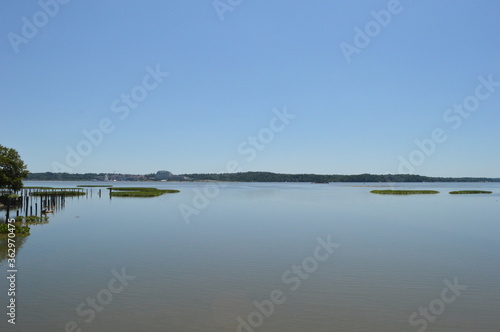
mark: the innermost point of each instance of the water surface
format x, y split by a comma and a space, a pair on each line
393, 257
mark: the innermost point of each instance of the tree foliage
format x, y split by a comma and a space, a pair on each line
263, 177
12, 169
277, 177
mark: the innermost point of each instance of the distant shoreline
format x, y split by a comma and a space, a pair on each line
254, 177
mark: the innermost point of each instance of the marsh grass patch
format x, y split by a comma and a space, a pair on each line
139, 192
404, 192
93, 186
65, 193
469, 192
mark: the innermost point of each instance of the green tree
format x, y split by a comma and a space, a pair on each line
12, 169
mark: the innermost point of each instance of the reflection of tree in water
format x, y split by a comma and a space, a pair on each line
4, 245
32, 206
20, 223
27, 210
36, 201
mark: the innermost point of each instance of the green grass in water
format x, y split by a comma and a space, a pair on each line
58, 193
466, 192
28, 220
93, 186
19, 230
139, 192
404, 192
134, 189
11, 196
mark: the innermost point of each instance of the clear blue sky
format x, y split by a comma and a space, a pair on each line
227, 76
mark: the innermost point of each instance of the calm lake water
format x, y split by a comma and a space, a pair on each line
392, 258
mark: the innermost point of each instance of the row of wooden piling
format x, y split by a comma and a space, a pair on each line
26, 203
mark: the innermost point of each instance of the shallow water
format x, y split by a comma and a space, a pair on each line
392, 255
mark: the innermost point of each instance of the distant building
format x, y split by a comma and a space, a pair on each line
168, 176
163, 175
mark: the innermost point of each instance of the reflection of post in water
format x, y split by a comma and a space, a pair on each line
49, 200
8, 201
40, 201
37, 202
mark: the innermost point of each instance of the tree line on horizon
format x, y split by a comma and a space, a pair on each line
269, 177
319, 178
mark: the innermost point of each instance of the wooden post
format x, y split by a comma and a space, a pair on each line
8, 209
